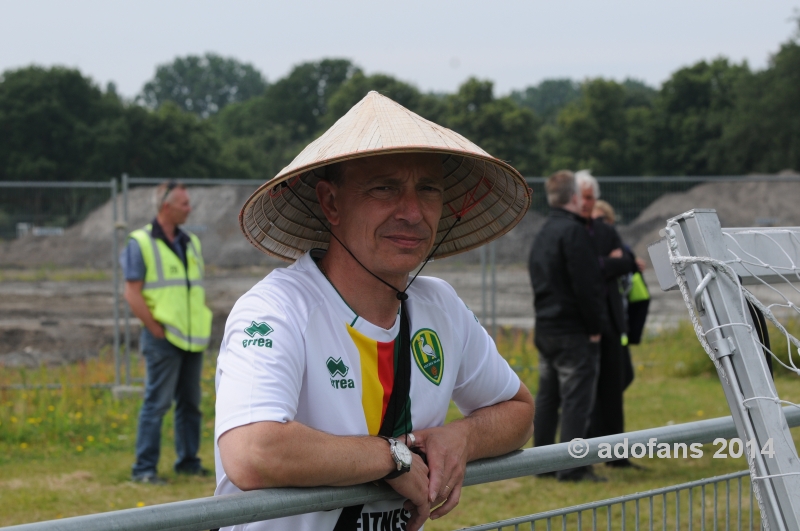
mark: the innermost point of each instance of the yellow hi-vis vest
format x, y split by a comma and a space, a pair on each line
174, 293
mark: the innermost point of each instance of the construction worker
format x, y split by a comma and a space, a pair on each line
163, 268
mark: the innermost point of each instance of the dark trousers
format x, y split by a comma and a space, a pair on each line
567, 381
608, 416
172, 375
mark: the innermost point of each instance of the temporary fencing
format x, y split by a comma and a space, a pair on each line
253, 506
696, 504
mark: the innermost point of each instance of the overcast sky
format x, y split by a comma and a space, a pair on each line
435, 44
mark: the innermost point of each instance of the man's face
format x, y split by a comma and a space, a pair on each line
386, 209
587, 201
177, 207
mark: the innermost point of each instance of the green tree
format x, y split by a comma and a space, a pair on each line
262, 135
548, 97
689, 115
203, 85
592, 131
498, 125
355, 88
168, 142
49, 120
763, 134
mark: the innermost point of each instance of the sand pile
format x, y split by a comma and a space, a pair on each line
749, 203
214, 219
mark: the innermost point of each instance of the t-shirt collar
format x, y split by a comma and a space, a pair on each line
308, 263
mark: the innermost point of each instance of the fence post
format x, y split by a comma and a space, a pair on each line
126, 308
115, 269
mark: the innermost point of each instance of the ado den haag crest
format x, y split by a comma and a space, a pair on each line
429, 354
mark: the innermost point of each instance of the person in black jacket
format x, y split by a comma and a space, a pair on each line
570, 316
616, 261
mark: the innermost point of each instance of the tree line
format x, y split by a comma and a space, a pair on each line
211, 116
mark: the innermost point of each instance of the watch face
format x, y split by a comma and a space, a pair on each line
403, 453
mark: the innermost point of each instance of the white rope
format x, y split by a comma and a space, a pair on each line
724, 267
771, 399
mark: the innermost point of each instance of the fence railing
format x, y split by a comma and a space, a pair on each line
232, 509
669, 507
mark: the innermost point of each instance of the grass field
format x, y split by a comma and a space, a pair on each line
67, 451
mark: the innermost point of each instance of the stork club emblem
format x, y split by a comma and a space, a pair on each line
429, 354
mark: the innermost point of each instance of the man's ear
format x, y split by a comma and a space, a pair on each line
326, 196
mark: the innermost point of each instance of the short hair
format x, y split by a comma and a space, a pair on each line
607, 210
560, 188
584, 178
334, 173
164, 191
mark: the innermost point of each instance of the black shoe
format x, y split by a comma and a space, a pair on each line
199, 471
148, 479
624, 463
584, 475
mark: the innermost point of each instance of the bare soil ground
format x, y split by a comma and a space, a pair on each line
61, 321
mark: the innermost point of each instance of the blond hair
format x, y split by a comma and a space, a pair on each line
608, 211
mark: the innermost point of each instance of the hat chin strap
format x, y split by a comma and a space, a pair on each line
401, 295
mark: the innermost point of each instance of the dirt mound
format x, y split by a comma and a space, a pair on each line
214, 218
749, 203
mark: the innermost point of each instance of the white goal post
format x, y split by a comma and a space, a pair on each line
710, 266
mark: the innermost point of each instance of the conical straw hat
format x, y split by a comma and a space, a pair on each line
490, 195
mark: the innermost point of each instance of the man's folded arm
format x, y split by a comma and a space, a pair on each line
290, 454
501, 428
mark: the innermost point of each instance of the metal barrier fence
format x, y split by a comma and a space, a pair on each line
42, 208
253, 506
662, 509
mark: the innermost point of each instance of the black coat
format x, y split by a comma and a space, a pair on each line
566, 279
606, 239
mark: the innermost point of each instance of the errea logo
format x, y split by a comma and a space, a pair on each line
336, 367
262, 329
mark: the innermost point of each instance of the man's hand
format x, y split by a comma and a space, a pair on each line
641, 264
616, 253
413, 486
446, 449
486, 432
157, 330
133, 294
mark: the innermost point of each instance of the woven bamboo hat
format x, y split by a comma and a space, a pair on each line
489, 195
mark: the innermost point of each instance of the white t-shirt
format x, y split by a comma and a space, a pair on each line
294, 350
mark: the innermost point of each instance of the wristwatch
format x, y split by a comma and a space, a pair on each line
401, 455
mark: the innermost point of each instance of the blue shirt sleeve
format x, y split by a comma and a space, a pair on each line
132, 262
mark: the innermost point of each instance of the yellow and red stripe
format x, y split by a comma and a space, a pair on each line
377, 377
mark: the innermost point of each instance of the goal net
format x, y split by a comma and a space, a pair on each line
733, 282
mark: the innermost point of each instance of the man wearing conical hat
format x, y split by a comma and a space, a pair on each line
339, 369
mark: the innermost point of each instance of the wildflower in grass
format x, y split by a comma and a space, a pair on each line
140, 504
113, 424
700, 413
51, 408
99, 401
13, 420
90, 438
106, 440
78, 415
79, 448
23, 445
